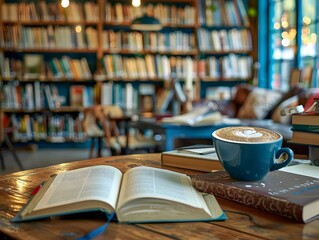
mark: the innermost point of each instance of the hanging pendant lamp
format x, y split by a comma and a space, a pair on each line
146, 23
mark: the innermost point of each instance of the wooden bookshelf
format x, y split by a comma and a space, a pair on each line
91, 44
225, 44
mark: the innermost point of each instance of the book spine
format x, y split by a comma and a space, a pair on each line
305, 128
250, 198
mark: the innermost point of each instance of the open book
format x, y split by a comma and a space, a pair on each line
142, 194
201, 116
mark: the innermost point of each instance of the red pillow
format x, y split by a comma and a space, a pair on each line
311, 100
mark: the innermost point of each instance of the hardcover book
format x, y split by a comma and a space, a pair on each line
142, 194
201, 159
77, 93
305, 119
308, 138
286, 194
305, 128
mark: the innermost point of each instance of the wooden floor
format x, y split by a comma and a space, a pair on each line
36, 158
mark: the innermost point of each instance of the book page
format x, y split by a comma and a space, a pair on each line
303, 169
209, 119
204, 115
90, 183
147, 182
198, 149
189, 118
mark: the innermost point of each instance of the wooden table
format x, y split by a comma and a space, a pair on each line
243, 222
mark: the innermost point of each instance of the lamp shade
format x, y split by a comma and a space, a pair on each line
146, 23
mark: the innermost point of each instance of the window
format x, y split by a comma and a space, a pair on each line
292, 31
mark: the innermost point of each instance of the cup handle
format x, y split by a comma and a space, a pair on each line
290, 156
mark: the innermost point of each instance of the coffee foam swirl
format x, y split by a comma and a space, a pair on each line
247, 134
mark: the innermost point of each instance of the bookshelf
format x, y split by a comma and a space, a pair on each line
224, 43
147, 58
50, 55
45, 51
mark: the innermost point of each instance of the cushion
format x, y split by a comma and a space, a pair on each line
295, 90
241, 93
288, 103
258, 103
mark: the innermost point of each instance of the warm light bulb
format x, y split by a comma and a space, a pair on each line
78, 29
285, 42
277, 25
136, 3
65, 3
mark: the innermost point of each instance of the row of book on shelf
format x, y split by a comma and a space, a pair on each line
132, 98
151, 66
221, 13
34, 67
31, 96
231, 66
89, 11
211, 12
224, 40
52, 128
49, 37
49, 11
37, 96
150, 41
116, 66
163, 67
165, 13
81, 37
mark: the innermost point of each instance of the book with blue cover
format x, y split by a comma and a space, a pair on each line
141, 195
305, 128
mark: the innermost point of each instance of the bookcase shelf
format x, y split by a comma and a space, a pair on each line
110, 61
225, 45
48, 50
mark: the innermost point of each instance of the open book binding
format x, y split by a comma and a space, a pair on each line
201, 116
142, 194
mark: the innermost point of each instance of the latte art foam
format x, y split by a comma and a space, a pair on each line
247, 134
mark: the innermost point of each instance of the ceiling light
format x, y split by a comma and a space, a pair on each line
146, 23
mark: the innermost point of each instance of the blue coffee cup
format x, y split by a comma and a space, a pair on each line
251, 153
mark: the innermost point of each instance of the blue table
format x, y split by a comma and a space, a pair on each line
172, 131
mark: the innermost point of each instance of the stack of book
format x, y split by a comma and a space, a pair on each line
305, 129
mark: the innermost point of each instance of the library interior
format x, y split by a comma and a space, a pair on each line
83, 76
104, 80
109, 77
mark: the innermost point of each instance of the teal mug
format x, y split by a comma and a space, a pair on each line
250, 153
